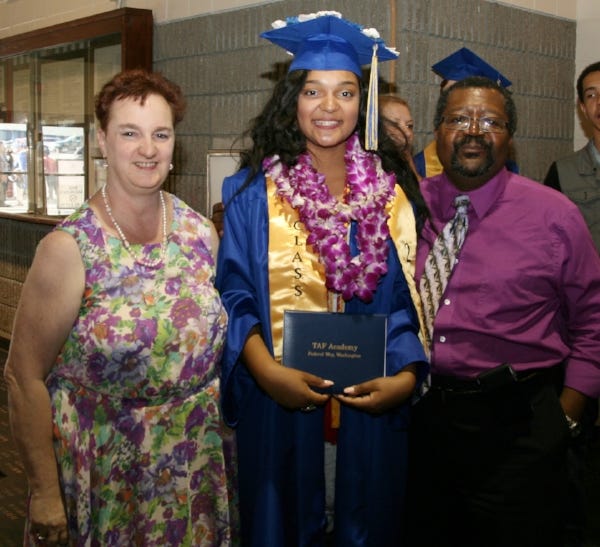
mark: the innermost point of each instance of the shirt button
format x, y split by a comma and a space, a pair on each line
446, 302
442, 339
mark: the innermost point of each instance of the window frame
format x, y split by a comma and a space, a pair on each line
135, 29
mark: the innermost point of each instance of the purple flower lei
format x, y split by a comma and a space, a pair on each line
369, 189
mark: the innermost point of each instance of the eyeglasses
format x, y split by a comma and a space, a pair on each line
486, 124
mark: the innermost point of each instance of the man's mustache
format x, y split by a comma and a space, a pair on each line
470, 139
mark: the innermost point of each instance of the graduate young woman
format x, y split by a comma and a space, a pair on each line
314, 222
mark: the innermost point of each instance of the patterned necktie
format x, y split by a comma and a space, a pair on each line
440, 261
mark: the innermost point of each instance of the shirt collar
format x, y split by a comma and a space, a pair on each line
442, 193
595, 152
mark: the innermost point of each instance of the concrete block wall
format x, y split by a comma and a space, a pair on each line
224, 69
536, 52
19, 240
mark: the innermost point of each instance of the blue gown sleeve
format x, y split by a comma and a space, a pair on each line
242, 281
419, 160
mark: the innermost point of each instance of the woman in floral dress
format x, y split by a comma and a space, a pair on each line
113, 370
314, 222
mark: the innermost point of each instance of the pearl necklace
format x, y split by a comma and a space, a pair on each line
163, 245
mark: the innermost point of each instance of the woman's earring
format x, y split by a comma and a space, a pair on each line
170, 167
104, 163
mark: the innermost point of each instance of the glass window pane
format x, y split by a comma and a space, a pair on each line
64, 168
107, 62
20, 146
63, 91
63, 115
13, 167
21, 91
49, 157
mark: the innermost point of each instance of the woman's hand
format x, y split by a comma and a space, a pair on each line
289, 387
381, 394
47, 519
48, 308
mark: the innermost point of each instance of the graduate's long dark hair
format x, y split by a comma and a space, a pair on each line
275, 131
393, 161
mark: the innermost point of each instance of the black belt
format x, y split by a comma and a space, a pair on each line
500, 377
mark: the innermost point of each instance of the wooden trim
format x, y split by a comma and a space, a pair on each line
134, 25
135, 31
32, 218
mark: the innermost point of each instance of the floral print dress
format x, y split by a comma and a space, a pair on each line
144, 456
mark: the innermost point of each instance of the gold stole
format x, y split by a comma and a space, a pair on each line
403, 231
296, 275
432, 163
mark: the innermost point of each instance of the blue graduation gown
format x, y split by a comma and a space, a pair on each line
280, 452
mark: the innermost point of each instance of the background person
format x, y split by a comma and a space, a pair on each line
50, 175
21, 177
578, 177
284, 247
113, 381
489, 442
218, 211
578, 174
398, 124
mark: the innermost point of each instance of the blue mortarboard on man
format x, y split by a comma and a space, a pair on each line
464, 63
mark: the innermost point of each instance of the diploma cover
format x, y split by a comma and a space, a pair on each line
344, 348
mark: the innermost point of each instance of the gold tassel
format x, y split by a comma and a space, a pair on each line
335, 413
371, 142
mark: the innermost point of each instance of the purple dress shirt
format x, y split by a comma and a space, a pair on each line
526, 288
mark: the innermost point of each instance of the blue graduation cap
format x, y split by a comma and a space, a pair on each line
464, 63
326, 41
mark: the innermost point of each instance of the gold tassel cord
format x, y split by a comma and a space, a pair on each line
371, 142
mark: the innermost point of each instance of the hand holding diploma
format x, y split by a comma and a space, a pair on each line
381, 394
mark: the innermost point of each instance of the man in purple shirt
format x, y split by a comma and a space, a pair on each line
515, 346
